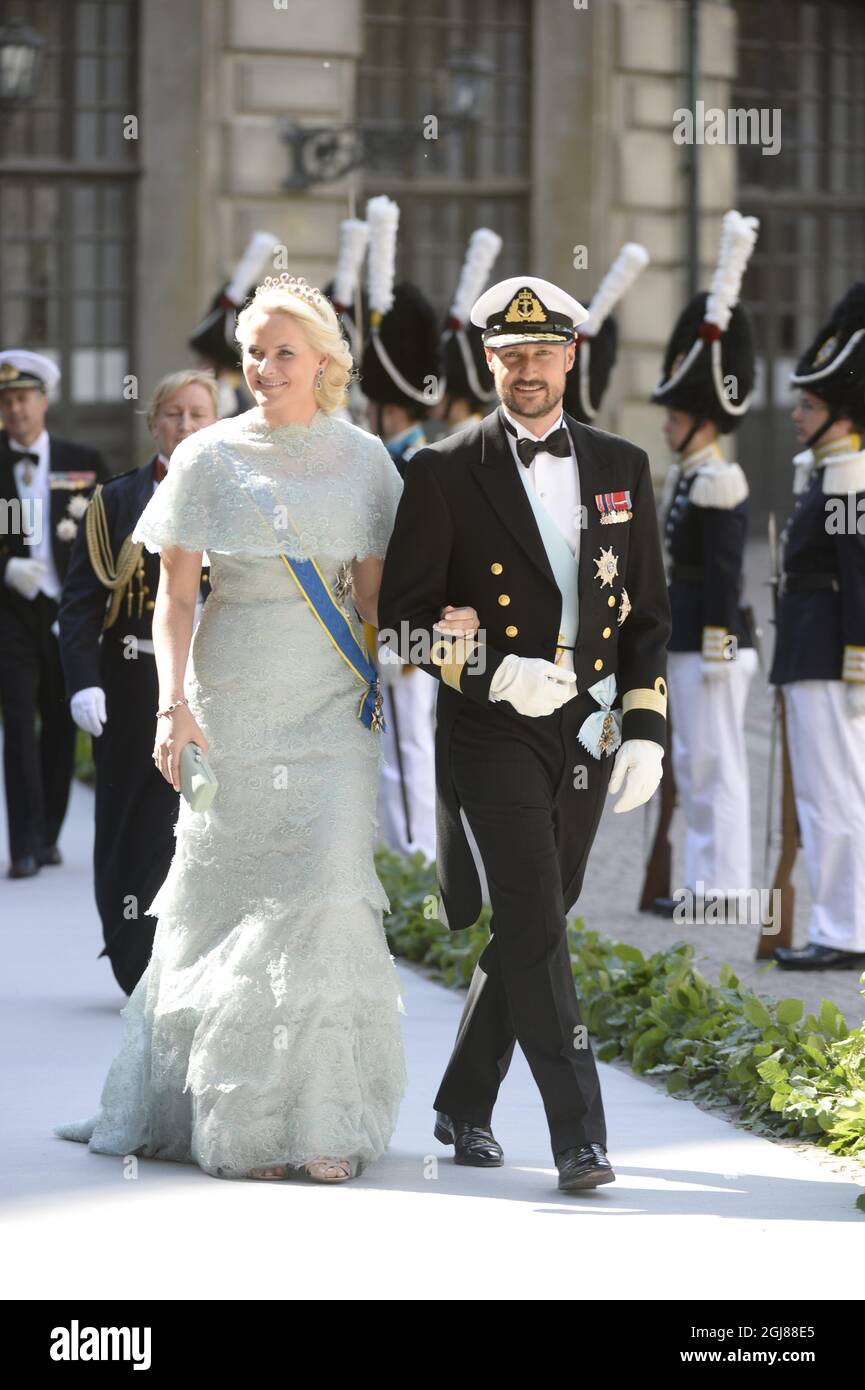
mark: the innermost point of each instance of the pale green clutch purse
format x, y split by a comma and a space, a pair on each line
198, 783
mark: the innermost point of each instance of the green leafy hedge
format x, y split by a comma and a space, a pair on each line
785, 1073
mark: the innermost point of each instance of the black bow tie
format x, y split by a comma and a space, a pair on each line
558, 443
19, 454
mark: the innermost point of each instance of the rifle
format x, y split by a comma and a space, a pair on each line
790, 839
659, 865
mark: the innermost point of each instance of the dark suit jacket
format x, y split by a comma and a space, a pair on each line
465, 533
65, 457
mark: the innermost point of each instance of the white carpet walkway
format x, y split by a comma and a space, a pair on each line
700, 1209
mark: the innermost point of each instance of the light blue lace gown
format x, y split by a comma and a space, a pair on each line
266, 1027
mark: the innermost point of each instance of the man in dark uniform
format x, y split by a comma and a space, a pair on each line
598, 338
819, 659
44, 486
399, 372
706, 385
106, 642
468, 386
515, 516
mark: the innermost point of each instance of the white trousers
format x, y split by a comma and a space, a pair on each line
415, 697
827, 755
711, 770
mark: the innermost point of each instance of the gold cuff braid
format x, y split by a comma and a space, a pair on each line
643, 698
452, 657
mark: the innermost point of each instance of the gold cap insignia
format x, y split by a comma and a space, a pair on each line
8, 372
525, 307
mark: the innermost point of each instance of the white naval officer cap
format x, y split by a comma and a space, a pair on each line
21, 368
525, 309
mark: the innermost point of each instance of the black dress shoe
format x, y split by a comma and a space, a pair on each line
583, 1166
817, 957
664, 907
50, 854
25, 867
474, 1145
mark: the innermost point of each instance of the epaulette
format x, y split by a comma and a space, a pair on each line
848, 476
113, 575
719, 485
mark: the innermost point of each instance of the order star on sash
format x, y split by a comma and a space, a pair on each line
608, 566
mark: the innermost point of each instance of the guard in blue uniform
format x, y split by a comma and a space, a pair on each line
708, 376
400, 373
45, 483
548, 528
213, 339
597, 339
819, 660
106, 643
468, 392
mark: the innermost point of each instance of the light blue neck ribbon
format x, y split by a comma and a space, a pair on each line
600, 732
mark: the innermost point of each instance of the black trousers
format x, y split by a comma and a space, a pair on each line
37, 768
136, 813
533, 798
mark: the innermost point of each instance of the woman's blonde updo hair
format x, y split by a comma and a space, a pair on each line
316, 316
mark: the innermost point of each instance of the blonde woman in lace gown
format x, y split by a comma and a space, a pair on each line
264, 1036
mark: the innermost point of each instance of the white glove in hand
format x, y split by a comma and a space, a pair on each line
24, 576
641, 759
712, 671
88, 709
533, 686
854, 692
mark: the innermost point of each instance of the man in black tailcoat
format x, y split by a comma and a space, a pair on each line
548, 528
44, 486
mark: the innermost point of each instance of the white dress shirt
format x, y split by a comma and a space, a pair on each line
555, 480
557, 484
38, 493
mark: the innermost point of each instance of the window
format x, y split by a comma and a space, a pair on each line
804, 58
446, 187
66, 236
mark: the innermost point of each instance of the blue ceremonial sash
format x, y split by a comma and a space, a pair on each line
312, 584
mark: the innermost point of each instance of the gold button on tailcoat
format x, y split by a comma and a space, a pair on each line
496, 568
599, 664
511, 631
504, 600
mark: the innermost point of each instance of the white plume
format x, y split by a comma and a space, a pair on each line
631, 260
382, 215
256, 261
483, 248
738, 238
353, 241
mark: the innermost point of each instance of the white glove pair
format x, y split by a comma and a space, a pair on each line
640, 760
88, 709
854, 692
24, 576
533, 686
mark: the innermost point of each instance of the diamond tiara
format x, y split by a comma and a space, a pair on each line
294, 284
